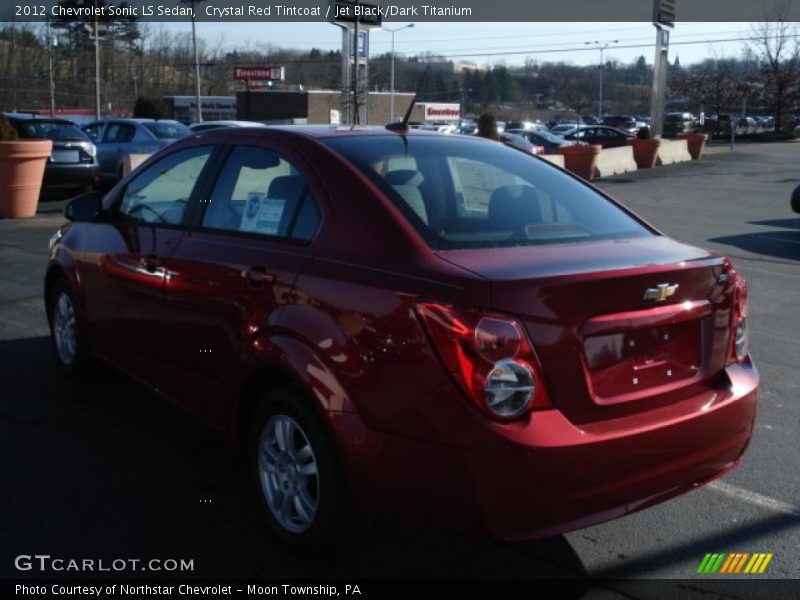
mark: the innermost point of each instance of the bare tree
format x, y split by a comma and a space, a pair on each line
775, 47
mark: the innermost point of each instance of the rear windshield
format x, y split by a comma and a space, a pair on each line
58, 131
167, 131
466, 193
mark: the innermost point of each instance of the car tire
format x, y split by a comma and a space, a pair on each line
67, 337
296, 473
796, 199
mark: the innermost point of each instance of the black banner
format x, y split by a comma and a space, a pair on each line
393, 10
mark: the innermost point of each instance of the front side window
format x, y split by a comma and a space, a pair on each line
471, 194
161, 192
260, 192
119, 133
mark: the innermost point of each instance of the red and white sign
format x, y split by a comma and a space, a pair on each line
258, 73
442, 112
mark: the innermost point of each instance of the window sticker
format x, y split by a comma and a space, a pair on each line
262, 214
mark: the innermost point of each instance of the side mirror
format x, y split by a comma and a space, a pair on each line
796, 199
85, 208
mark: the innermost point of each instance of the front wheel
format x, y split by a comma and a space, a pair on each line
297, 475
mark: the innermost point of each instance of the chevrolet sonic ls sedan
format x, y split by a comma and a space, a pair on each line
409, 325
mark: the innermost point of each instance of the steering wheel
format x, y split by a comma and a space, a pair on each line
140, 207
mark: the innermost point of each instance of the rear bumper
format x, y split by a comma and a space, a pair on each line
69, 176
549, 476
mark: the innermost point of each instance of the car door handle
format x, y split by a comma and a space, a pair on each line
150, 263
258, 275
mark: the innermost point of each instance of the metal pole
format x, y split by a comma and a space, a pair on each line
391, 97
96, 65
391, 84
345, 107
354, 80
199, 112
50, 72
659, 82
600, 101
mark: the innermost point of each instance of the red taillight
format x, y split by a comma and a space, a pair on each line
739, 344
490, 358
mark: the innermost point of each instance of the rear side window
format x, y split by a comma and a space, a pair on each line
260, 192
462, 193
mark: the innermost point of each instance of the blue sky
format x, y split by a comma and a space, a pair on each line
491, 43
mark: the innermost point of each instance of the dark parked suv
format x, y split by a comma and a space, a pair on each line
72, 166
411, 325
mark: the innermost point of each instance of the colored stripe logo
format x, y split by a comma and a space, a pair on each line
736, 562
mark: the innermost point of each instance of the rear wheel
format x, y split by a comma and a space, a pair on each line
66, 334
296, 472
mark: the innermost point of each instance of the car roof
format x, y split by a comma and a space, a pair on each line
37, 117
326, 131
130, 120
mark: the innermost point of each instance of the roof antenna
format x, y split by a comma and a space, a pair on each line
403, 125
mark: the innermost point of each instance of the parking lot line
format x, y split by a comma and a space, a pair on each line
777, 239
756, 499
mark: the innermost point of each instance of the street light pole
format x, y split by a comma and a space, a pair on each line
391, 83
602, 46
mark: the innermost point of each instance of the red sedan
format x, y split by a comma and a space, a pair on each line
394, 322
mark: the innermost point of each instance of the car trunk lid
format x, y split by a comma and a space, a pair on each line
620, 327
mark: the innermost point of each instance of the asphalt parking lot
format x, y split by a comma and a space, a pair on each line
104, 469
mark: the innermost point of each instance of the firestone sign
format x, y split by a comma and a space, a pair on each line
442, 112
258, 73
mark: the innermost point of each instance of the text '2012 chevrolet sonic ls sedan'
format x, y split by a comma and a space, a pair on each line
410, 325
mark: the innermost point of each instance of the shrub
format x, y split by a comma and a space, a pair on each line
487, 126
643, 133
7, 131
150, 108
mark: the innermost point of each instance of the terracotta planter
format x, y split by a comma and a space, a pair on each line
696, 142
21, 172
581, 160
645, 152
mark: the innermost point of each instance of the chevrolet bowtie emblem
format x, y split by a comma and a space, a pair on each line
661, 292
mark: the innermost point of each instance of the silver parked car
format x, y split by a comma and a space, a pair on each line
208, 125
115, 138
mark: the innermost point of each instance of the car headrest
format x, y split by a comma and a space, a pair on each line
404, 177
286, 187
514, 205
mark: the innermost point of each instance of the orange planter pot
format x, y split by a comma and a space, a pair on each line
645, 152
21, 173
696, 142
581, 160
